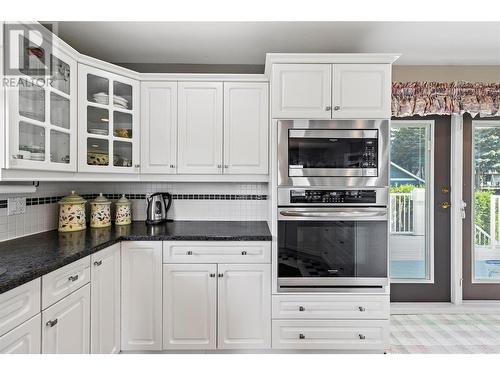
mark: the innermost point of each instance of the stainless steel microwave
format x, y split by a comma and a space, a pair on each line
333, 153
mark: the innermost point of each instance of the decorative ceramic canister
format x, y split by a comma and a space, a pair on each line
100, 212
71, 213
123, 211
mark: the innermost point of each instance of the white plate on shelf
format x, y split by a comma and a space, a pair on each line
98, 131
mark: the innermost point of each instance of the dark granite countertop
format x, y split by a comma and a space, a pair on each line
26, 258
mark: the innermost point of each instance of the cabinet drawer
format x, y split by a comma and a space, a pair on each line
25, 339
217, 252
331, 334
65, 280
18, 305
331, 307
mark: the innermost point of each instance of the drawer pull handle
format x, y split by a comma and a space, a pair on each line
189, 252
51, 323
73, 278
361, 308
302, 336
243, 252
212, 275
97, 263
362, 337
221, 275
302, 308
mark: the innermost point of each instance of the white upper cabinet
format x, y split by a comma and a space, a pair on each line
244, 306
141, 295
105, 301
200, 128
66, 324
159, 127
108, 129
361, 91
42, 113
245, 128
189, 306
302, 91
325, 91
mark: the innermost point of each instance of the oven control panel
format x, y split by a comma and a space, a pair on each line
305, 196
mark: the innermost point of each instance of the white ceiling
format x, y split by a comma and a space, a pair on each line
421, 43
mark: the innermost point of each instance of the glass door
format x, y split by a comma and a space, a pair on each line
42, 113
481, 231
419, 240
108, 108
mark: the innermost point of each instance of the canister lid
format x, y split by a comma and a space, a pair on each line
123, 200
73, 198
101, 199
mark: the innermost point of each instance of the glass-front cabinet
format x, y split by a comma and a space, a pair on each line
42, 109
108, 115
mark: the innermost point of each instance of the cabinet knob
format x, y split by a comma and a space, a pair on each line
221, 275
212, 275
243, 252
219, 166
189, 252
51, 323
137, 165
328, 108
302, 308
172, 166
361, 308
226, 166
17, 156
73, 278
302, 336
97, 263
362, 337
336, 108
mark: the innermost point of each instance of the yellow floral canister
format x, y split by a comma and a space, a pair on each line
123, 211
71, 213
100, 212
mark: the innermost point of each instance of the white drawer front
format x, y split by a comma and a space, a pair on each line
63, 281
216, 252
18, 305
25, 339
331, 307
330, 334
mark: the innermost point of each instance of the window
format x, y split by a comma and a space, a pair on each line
411, 230
486, 202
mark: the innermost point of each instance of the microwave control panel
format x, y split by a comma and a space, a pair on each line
304, 196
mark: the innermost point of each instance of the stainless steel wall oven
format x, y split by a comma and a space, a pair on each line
332, 239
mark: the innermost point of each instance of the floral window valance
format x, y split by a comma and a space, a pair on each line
438, 98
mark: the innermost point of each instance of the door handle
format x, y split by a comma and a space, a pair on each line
445, 204
51, 323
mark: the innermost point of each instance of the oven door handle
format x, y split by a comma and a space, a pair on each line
376, 214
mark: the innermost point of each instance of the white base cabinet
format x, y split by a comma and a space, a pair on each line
105, 301
141, 295
244, 306
24, 339
66, 324
209, 306
189, 306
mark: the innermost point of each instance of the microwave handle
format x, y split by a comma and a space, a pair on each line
341, 215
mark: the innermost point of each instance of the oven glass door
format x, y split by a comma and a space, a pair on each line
332, 153
332, 249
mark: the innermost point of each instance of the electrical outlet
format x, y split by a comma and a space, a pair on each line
16, 206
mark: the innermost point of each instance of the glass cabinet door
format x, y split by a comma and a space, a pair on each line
108, 117
42, 113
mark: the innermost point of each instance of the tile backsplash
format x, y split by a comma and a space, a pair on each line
191, 201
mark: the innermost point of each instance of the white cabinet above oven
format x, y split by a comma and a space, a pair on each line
338, 91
